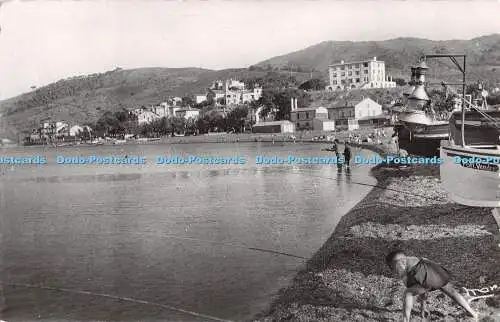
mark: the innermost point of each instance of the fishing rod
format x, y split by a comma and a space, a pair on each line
127, 299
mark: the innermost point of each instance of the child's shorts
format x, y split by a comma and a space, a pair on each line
429, 275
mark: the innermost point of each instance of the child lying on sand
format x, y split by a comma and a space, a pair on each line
421, 276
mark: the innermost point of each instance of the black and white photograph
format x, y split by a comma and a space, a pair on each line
249, 160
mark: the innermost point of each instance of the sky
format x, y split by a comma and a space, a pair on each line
44, 41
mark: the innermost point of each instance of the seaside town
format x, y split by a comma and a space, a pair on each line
232, 97
105, 220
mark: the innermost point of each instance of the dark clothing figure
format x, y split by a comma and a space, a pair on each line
422, 276
347, 155
428, 274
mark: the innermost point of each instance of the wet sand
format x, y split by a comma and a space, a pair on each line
348, 280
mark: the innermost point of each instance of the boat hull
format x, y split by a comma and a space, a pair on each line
422, 139
471, 184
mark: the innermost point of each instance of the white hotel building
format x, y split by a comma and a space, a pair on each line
361, 74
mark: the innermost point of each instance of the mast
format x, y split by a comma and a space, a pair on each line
463, 106
462, 69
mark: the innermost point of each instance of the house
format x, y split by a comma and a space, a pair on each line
77, 129
187, 113
347, 113
359, 74
382, 120
62, 129
145, 115
274, 127
232, 91
254, 115
48, 129
311, 118
200, 98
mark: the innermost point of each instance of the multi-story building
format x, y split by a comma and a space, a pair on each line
187, 113
145, 115
347, 114
77, 130
311, 118
360, 74
165, 109
232, 92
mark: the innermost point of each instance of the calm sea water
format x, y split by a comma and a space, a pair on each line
200, 238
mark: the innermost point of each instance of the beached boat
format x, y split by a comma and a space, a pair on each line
420, 132
470, 168
470, 171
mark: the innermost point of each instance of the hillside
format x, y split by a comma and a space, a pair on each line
84, 99
483, 56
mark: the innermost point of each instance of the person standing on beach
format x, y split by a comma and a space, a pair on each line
347, 154
421, 276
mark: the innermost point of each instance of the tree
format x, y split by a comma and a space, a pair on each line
118, 123
280, 101
400, 81
178, 124
236, 118
187, 101
314, 84
84, 134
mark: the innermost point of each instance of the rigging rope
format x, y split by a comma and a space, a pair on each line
486, 116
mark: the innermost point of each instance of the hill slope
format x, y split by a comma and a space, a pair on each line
483, 55
84, 99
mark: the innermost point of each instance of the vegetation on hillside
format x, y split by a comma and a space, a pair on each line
483, 56
314, 84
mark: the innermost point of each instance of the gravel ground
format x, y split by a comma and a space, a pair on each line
347, 279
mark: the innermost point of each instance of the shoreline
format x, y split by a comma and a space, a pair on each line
347, 278
222, 138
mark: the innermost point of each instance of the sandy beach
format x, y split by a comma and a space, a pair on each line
348, 280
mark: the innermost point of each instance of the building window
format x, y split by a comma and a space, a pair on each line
357, 72
307, 115
365, 64
334, 82
334, 75
357, 80
343, 74
366, 72
343, 67
350, 74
